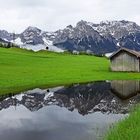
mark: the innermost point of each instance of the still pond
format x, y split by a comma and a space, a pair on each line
75, 112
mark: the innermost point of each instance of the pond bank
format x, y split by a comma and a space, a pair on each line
127, 129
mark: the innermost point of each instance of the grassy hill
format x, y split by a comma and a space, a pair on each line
22, 69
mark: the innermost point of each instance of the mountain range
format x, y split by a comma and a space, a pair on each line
99, 39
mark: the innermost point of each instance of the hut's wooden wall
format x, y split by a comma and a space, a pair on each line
125, 88
124, 61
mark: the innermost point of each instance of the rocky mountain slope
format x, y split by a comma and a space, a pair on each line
102, 38
84, 38
117, 29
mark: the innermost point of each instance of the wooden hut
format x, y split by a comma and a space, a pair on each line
125, 88
125, 60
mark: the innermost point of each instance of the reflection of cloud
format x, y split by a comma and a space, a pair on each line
52, 14
52, 123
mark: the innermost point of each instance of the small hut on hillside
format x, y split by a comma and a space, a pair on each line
125, 60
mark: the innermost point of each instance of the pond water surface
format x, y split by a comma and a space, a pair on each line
75, 112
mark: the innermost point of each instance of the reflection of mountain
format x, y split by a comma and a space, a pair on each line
94, 97
86, 98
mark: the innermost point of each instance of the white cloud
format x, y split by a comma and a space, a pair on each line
16, 15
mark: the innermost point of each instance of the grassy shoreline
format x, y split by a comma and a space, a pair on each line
22, 70
126, 129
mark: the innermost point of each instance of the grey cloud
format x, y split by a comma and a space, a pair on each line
55, 14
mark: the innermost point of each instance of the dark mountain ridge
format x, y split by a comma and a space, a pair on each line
102, 38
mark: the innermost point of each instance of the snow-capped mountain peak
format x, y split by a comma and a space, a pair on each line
34, 29
116, 28
102, 38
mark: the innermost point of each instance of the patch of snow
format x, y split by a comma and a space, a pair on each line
33, 47
48, 95
47, 42
51, 92
108, 54
51, 47
118, 44
37, 90
138, 43
56, 89
41, 47
5, 39
55, 49
112, 33
75, 52
19, 97
50, 33
18, 41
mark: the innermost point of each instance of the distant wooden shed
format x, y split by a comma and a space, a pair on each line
125, 60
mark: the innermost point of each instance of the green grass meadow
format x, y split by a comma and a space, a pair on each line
22, 70
127, 129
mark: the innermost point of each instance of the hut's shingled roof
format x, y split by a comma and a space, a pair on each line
135, 53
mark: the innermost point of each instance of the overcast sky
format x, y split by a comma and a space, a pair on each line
50, 15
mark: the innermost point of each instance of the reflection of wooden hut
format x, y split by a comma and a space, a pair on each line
125, 88
125, 60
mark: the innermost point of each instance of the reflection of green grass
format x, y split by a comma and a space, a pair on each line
22, 70
128, 129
